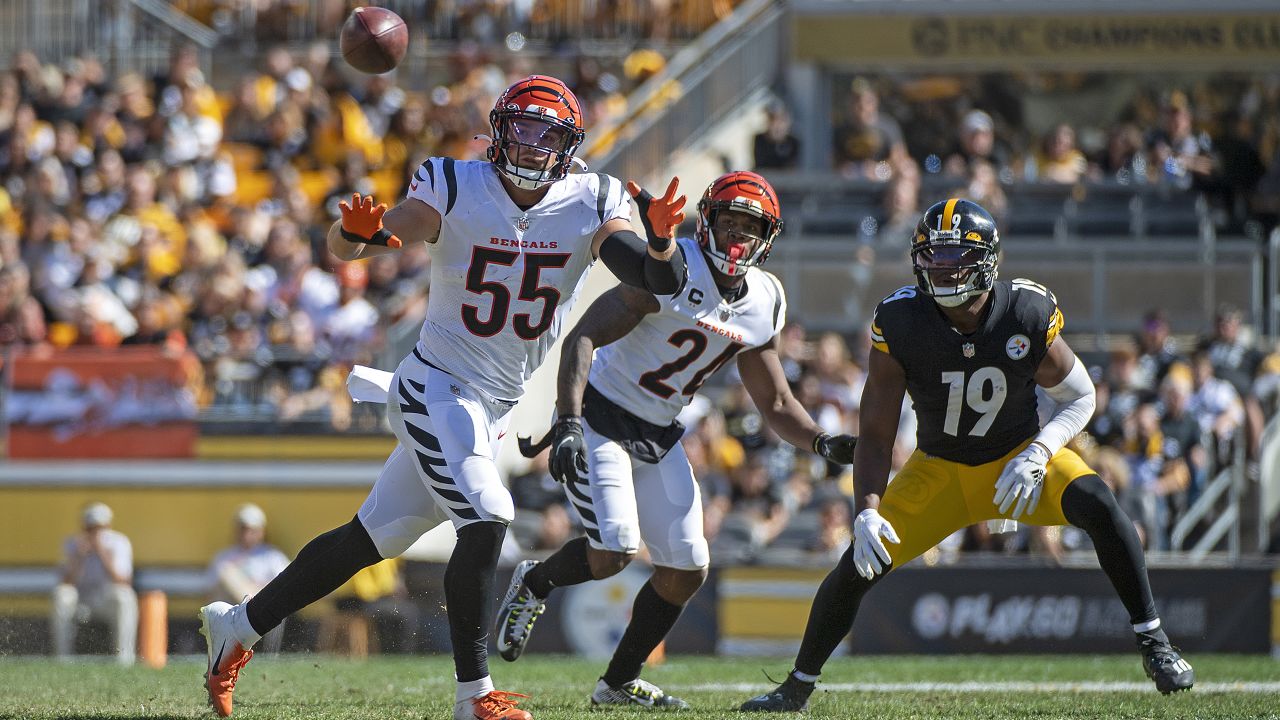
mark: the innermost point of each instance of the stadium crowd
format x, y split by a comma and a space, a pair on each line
138, 210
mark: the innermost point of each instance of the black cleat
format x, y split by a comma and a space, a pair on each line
1165, 666
791, 696
520, 610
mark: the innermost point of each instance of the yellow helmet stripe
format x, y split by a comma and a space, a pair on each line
949, 213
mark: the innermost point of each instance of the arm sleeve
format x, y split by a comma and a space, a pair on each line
1073, 404
627, 256
435, 183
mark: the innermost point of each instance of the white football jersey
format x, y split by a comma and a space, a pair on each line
656, 368
503, 279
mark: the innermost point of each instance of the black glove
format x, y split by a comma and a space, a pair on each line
568, 461
838, 449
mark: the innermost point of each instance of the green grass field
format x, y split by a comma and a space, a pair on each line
321, 687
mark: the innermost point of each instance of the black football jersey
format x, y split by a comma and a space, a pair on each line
974, 395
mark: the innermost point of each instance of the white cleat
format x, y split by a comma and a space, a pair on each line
226, 655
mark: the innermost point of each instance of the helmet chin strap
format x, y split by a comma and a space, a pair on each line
953, 300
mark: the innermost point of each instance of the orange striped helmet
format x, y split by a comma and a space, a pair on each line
732, 252
537, 127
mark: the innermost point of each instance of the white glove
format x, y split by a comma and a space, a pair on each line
1022, 480
870, 556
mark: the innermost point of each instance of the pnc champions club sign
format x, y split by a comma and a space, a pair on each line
1218, 40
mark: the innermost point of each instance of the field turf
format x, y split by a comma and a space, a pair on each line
317, 687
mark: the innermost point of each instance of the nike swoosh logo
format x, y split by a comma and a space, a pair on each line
413, 186
218, 659
502, 435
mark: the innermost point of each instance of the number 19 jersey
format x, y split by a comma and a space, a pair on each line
974, 395
656, 368
503, 279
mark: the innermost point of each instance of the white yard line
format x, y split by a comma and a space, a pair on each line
988, 687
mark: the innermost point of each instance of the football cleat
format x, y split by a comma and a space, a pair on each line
496, 705
791, 696
637, 693
520, 610
226, 656
1166, 667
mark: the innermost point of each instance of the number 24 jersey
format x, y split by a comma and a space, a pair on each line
974, 395
656, 368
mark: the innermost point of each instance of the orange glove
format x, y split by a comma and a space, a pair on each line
661, 216
362, 222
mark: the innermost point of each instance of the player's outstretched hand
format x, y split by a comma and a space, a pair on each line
836, 448
1022, 480
362, 222
568, 461
870, 556
661, 216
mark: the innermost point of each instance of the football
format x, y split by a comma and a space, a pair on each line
373, 40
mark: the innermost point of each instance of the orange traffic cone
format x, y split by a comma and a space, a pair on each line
153, 628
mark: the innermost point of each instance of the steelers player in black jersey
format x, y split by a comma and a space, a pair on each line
971, 351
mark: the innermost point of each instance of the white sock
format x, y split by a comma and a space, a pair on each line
245, 634
804, 677
1147, 626
473, 689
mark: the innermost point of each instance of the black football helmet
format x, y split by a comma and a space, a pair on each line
955, 251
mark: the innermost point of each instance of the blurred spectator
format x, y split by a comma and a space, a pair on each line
1057, 160
1180, 155
865, 137
1180, 428
1124, 160
777, 147
1215, 403
976, 144
1159, 474
832, 537
1157, 351
96, 583
1231, 353
245, 568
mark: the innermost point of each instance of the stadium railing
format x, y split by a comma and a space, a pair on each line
126, 35
703, 83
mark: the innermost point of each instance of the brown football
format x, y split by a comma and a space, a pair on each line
373, 40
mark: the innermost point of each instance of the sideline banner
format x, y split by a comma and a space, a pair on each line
1207, 40
87, 403
1000, 610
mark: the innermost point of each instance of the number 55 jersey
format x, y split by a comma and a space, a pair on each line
503, 278
655, 370
974, 395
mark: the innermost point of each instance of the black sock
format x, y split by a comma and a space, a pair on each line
320, 568
1088, 504
1149, 637
468, 592
567, 566
651, 619
831, 617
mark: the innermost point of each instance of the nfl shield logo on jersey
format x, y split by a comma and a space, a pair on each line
523, 223
967, 350
1018, 346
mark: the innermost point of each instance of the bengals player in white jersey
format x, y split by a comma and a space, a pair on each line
615, 445
511, 240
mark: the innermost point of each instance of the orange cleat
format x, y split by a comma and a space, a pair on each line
226, 656
497, 705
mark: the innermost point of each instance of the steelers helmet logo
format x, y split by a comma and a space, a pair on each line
1018, 346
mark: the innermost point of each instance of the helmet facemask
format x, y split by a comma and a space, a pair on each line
735, 235
532, 149
952, 270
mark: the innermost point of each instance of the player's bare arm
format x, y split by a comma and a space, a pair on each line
656, 265
609, 319
410, 221
878, 417
765, 380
